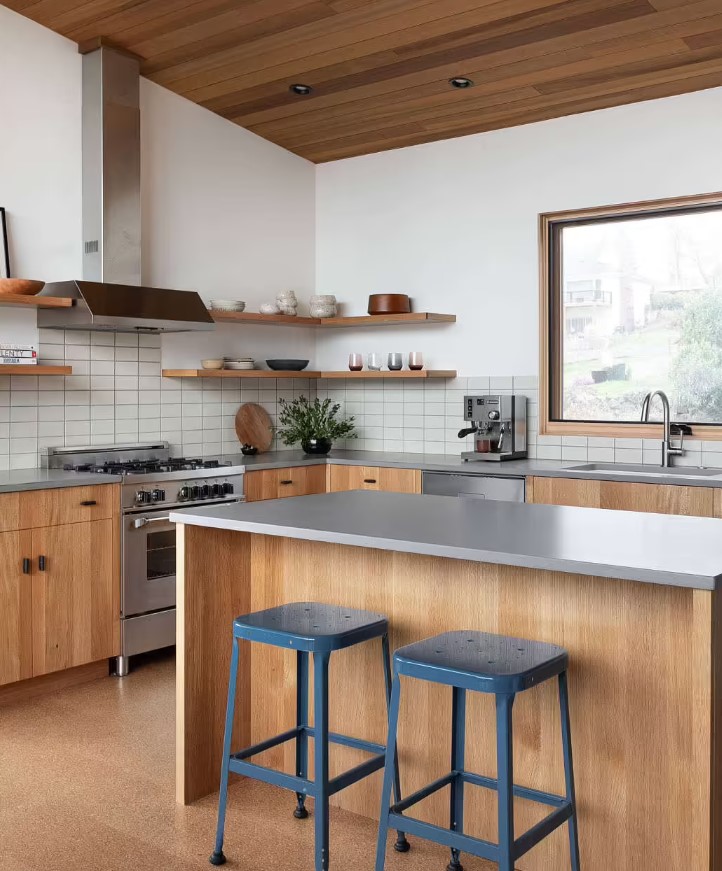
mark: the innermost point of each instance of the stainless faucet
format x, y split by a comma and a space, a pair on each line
668, 450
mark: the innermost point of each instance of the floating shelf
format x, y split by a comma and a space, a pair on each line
268, 373
35, 370
35, 301
356, 321
236, 373
401, 373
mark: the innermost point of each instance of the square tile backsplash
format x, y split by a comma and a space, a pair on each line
116, 394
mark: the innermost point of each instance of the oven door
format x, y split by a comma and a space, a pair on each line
149, 554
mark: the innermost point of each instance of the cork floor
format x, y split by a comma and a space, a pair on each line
87, 782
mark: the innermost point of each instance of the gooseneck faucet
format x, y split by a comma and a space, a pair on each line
668, 450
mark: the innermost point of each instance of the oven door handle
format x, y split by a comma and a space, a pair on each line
144, 521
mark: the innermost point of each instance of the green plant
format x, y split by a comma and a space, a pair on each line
302, 420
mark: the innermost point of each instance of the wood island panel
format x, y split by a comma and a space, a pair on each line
644, 666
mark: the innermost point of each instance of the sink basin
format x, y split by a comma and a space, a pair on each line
656, 471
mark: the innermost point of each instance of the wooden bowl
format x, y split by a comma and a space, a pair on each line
389, 304
21, 286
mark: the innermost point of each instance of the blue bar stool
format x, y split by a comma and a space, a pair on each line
307, 628
486, 664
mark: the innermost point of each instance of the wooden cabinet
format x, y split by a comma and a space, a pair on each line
16, 651
72, 595
282, 483
59, 580
652, 498
374, 478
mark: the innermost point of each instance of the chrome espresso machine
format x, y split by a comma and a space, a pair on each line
498, 424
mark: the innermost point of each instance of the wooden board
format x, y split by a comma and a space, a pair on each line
36, 301
39, 369
236, 373
653, 498
380, 70
401, 373
643, 661
388, 320
254, 426
262, 320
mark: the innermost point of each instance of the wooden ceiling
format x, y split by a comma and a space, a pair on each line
380, 69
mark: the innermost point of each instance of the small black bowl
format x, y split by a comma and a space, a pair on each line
287, 365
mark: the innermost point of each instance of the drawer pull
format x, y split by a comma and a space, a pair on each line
89, 502
26, 566
286, 482
369, 480
41, 563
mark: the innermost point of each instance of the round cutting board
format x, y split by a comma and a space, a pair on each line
254, 426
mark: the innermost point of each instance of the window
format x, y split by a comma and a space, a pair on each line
632, 303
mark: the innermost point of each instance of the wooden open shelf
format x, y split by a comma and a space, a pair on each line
35, 301
236, 373
269, 373
357, 321
35, 370
401, 373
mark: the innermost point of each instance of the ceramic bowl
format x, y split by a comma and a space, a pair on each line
212, 364
287, 365
229, 305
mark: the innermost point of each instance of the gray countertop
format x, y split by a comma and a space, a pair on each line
455, 465
48, 479
652, 548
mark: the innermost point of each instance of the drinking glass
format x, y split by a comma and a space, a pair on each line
396, 362
355, 362
416, 360
374, 362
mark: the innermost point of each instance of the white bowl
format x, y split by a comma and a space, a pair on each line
229, 305
212, 364
230, 364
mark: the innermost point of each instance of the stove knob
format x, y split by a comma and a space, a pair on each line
142, 497
195, 492
227, 488
205, 491
217, 490
184, 494
158, 495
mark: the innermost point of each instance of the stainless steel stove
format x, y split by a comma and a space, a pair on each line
153, 483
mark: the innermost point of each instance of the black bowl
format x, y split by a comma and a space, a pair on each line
287, 365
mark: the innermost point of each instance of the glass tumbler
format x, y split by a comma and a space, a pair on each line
396, 362
374, 362
416, 361
355, 362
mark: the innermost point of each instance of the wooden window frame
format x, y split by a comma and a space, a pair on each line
550, 338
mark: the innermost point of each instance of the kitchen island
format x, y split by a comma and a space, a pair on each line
633, 597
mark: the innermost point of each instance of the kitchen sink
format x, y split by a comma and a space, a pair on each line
655, 471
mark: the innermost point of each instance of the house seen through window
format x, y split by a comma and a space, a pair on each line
637, 306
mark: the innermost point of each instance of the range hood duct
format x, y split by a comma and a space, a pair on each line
110, 296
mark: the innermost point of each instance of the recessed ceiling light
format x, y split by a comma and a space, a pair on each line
301, 90
460, 82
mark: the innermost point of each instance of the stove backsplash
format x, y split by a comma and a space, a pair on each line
116, 395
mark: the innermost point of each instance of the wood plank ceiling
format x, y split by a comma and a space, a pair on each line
380, 69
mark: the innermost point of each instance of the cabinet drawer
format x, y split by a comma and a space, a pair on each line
384, 478
68, 505
282, 483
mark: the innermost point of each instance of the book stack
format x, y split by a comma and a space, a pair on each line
18, 355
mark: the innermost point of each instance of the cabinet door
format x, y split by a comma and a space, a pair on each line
281, 483
16, 649
73, 595
374, 478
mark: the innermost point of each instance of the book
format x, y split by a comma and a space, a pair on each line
18, 361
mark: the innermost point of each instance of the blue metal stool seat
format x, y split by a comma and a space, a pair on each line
310, 629
488, 664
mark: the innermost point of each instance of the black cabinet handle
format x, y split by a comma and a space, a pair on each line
26, 566
89, 502
369, 480
41, 563
286, 482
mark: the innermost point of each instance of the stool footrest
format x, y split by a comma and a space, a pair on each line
268, 744
476, 846
270, 775
348, 741
353, 775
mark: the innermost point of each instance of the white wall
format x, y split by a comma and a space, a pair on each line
454, 224
40, 171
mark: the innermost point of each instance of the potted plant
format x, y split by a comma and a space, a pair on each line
313, 424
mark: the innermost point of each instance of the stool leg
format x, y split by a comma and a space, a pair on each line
218, 858
569, 770
320, 704
401, 845
388, 773
458, 741
505, 777
301, 723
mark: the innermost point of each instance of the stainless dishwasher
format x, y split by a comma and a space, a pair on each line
503, 489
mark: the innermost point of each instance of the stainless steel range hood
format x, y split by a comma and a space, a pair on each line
111, 296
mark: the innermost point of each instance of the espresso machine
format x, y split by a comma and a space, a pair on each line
498, 424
